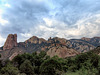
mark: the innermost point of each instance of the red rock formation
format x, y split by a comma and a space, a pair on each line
10, 42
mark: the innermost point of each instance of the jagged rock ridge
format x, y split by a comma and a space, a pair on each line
53, 46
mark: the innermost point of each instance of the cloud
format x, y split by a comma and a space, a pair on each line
85, 27
50, 18
22, 15
7, 5
3, 22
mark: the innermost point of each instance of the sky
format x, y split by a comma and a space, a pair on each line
68, 19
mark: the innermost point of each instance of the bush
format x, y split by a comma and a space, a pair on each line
9, 70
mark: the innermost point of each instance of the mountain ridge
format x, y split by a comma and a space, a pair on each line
53, 46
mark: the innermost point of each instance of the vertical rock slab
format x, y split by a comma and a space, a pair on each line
10, 42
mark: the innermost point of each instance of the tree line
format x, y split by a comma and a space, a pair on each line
42, 64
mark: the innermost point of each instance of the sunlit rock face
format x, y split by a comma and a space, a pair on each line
10, 42
35, 40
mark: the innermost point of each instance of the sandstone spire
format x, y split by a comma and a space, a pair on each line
10, 42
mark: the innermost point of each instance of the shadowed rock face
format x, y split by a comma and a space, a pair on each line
10, 42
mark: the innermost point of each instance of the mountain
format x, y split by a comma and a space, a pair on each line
53, 46
79, 45
95, 41
84, 44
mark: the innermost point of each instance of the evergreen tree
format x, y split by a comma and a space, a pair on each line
27, 68
50, 67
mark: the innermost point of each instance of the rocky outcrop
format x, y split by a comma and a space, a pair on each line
10, 42
61, 51
35, 40
57, 40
